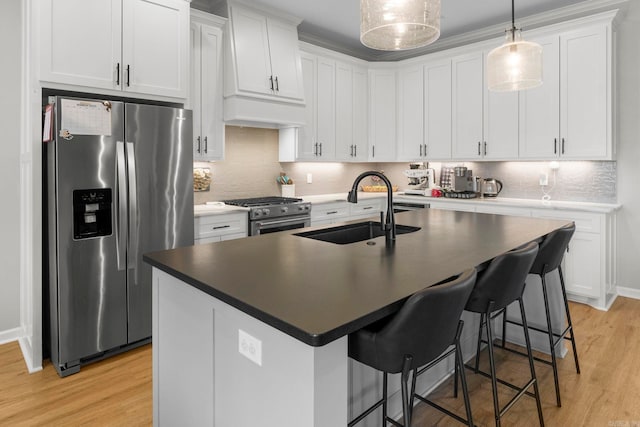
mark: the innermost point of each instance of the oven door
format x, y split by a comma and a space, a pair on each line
279, 224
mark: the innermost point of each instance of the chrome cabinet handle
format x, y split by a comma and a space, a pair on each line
118, 74
277, 85
421, 145
271, 82
478, 148
332, 212
219, 227
199, 145
355, 151
562, 145
128, 74
206, 145
485, 148
320, 149
555, 145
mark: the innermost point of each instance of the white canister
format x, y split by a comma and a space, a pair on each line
288, 190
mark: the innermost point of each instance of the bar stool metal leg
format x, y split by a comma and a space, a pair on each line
554, 363
569, 323
492, 367
531, 367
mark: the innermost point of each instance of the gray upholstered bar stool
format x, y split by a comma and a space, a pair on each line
500, 284
549, 258
427, 324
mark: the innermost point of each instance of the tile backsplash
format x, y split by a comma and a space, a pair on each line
251, 166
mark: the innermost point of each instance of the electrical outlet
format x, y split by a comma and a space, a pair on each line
544, 179
309, 178
250, 347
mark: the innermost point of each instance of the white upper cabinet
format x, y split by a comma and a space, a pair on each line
360, 114
569, 116
265, 56
382, 115
411, 144
485, 124
113, 44
206, 89
467, 105
326, 110
540, 107
437, 110
344, 112
304, 146
584, 94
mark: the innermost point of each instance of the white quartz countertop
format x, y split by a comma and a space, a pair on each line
342, 197
522, 203
216, 208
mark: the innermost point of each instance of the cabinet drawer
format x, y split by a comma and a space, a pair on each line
329, 210
585, 221
371, 207
219, 225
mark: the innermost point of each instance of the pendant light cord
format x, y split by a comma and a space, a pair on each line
513, 20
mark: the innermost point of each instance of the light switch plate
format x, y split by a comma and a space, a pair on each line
250, 347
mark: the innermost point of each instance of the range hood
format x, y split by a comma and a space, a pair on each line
263, 84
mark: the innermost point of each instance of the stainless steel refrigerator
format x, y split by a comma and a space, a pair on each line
119, 184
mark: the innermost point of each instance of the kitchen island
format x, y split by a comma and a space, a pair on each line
288, 303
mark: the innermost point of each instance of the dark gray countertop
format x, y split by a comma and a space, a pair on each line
318, 292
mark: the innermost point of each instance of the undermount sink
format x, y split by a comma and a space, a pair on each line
352, 233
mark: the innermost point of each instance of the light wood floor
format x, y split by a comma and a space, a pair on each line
117, 391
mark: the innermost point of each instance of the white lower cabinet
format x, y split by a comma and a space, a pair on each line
340, 211
220, 227
329, 213
589, 265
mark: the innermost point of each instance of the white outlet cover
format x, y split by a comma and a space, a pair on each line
250, 347
544, 179
309, 178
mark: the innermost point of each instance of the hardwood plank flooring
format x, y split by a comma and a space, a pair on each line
117, 391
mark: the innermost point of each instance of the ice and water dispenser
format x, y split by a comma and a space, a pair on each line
91, 213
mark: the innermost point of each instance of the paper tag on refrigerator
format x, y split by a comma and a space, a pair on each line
86, 117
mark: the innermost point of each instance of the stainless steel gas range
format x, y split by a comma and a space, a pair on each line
272, 214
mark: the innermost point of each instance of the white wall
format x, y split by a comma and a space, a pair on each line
10, 76
628, 114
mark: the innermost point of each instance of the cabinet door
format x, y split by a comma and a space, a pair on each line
467, 106
411, 114
584, 98
540, 107
81, 42
306, 134
382, 125
582, 265
326, 109
155, 47
212, 124
360, 114
285, 60
437, 110
251, 42
500, 126
344, 112
195, 90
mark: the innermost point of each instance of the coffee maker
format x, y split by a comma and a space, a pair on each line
421, 179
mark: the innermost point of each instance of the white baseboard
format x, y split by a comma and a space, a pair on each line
628, 292
27, 354
10, 335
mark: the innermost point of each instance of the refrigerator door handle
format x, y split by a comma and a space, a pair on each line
121, 206
133, 207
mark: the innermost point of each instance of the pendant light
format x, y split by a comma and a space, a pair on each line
399, 24
517, 64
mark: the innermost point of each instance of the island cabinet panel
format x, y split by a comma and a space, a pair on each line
201, 378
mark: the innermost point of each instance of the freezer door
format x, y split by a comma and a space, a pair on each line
87, 291
160, 168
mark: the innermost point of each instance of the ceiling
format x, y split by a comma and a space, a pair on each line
335, 24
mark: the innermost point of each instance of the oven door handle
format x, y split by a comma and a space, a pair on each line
290, 220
